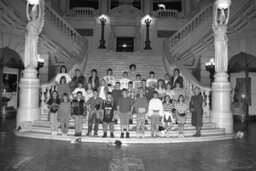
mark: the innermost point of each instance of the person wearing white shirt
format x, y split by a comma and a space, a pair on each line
155, 111
169, 91
151, 80
63, 72
110, 80
124, 81
81, 89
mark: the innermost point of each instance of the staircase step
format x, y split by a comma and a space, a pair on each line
126, 141
187, 132
118, 127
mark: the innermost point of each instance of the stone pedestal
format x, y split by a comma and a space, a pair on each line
29, 109
221, 102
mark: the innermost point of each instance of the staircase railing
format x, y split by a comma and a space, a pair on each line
190, 81
204, 14
84, 12
53, 17
78, 62
167, 13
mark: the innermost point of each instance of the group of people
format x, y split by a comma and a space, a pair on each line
106, 100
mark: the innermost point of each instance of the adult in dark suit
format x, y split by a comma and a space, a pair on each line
176, 78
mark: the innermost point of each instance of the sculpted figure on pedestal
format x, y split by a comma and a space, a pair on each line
219, 26
34, 28
111, 39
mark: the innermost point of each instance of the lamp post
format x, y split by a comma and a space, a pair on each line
29, 110
210, 67
103, 20
147, 21
221, 89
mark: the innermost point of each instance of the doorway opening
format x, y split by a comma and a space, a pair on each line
125, 44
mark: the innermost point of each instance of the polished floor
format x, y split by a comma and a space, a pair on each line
25, 154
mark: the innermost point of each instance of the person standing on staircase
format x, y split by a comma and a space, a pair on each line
110, 80
78, 78
196, 109
94, 79
94, 105
176, 78
132, 73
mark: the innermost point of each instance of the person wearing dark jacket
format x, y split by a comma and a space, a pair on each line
196, 109
94, 79
176, 78
108, 116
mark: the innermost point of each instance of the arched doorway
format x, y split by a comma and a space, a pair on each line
242, 69
8, 81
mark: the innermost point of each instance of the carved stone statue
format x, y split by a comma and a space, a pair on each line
34, 28
111, 39
220, 22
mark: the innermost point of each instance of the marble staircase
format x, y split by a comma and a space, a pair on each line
120, 62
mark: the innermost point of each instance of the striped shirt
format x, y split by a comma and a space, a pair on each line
168, 107
181, 107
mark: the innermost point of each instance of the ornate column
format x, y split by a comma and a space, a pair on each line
221, 89
112, 39
147, 4
103, 6
29, 109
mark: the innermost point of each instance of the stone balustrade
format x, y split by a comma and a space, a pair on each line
84, 12
192, 25
166, 13
53, 17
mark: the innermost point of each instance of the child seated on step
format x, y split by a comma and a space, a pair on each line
108, 116
53, 104
168, 118
64, 113
79, 110
124, 81
181, 114
141, 108
124, 109
110, 80
155, 111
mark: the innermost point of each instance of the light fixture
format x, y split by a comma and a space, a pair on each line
223, 4
146, 19
124, 45
103, 18
33, 2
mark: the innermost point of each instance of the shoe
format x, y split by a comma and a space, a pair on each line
199, 134
95, 134
112, 135
195, 135
152, 135
179, 136
52, 133
130, 121
122, 135
127, 135
115, 121
63, 134
104, 135
88, 134
182, 136
76, 134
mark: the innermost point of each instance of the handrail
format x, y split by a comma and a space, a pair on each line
206, 12
83, 11
167, 13
190, 81
65, 27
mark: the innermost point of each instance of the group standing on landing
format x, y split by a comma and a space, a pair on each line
163, 101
